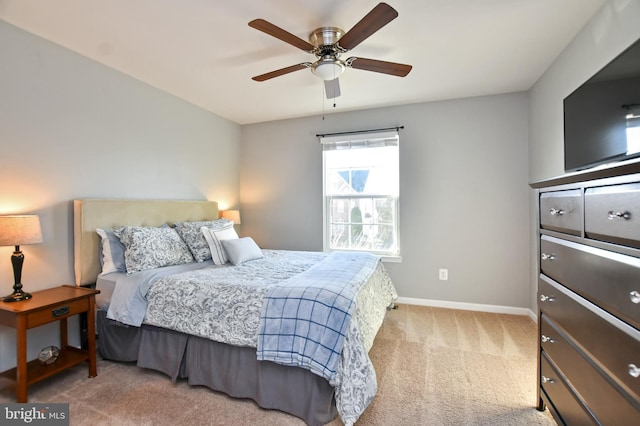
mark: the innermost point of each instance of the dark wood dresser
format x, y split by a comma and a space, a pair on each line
589, 296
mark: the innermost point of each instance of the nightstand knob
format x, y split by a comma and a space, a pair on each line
634, 371
635, 296
545, 298
545, 379
546, 339
556, 212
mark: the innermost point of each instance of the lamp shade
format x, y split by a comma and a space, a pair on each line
17, 230
233, 215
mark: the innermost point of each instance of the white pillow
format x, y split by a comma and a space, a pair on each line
214, 237
242, 250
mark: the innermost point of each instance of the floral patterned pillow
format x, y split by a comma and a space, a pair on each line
150, 247
191, 234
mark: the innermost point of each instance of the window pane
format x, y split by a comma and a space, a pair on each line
339, 236
362, 171
368, 225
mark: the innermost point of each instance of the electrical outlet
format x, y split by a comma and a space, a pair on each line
443, 274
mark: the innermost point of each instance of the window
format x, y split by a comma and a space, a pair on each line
633, 129
361, 187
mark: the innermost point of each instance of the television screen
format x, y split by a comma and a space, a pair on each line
602, 117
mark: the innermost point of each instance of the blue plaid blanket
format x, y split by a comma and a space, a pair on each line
305, 318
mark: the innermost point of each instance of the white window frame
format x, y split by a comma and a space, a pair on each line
360, 140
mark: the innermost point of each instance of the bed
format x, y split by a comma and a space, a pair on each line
226, 321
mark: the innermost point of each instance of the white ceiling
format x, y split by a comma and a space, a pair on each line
203, 51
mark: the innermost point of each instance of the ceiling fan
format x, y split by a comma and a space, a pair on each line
328, 43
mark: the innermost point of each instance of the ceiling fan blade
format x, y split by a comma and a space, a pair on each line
281, 71
400, 70
379, 16
332, 88
279, 33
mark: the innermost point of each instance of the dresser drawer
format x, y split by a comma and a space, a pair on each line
615, 345
608, 405
562, 211
564, 401
612, 213
610, 280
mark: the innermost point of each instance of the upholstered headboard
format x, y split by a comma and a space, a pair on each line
90, 214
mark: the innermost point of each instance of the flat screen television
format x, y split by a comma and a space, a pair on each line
602, 116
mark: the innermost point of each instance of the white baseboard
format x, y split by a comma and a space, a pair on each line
496, 309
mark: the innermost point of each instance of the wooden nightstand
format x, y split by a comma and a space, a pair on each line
47, 306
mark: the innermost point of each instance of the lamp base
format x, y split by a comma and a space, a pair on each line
17, 296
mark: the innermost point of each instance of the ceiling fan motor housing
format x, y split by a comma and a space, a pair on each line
325, 36
325, 39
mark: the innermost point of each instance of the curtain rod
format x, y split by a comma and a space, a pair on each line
359, 131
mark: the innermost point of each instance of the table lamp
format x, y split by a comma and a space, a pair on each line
17, 230
233, 215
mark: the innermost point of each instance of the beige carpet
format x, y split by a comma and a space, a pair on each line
434, 366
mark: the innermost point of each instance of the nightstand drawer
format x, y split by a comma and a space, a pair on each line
610, 280
57, 312
612, 213
562, 211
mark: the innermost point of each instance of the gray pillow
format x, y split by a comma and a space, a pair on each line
111, 252
241, 250
191, 234
150, 247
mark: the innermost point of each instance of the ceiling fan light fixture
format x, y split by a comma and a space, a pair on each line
328, 69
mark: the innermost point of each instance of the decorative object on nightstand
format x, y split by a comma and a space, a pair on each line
17, 230
233, 215
48, 355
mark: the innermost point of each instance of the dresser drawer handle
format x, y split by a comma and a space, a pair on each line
545, 379
634, 296
634, 371
547, 256
556, 212
545, 298
546, 339
618, 215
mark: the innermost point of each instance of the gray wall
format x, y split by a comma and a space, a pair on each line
615, 27
71, 128
463, 193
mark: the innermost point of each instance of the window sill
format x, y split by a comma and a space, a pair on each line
392, 259
385, 258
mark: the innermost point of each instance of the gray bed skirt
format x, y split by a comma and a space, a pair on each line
230, 369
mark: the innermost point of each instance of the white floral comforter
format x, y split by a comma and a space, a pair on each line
224, 303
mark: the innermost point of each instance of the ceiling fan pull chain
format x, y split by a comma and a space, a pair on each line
323, 96
334, 95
